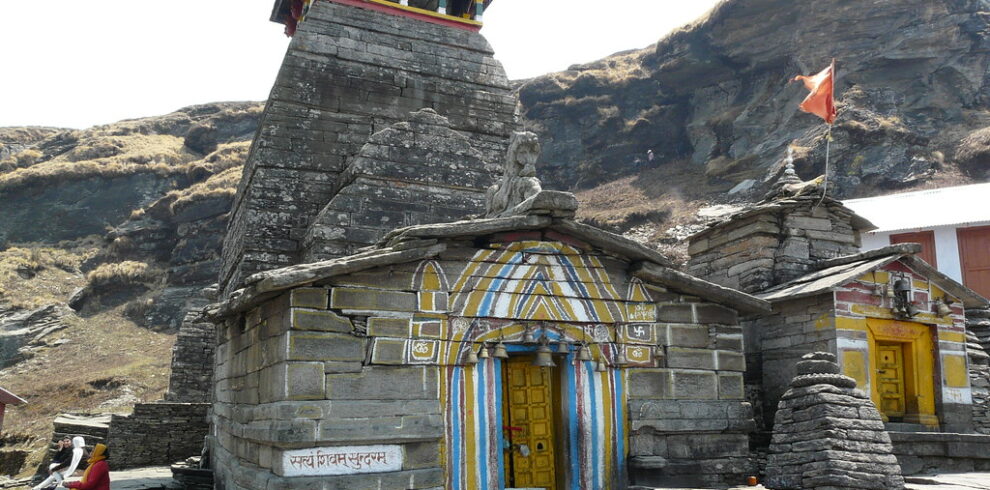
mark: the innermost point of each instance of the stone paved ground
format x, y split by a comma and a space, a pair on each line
954, 481
142, 478
161, 477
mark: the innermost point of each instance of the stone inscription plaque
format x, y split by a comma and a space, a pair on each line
341, 460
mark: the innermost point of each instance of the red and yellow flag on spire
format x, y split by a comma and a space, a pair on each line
821, 100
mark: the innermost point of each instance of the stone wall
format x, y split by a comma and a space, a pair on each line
688, 422
158, 434
935, 452
776, 342
411, 173
349, 73
770, 244
191, 378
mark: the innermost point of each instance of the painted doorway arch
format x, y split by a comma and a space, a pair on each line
592, 411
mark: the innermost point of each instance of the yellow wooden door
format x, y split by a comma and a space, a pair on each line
890, 376
529, 420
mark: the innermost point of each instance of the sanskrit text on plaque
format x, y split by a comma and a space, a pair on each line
341, 460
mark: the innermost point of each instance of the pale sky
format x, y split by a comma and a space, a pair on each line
77, 63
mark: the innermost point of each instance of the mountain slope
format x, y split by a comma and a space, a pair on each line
715, 101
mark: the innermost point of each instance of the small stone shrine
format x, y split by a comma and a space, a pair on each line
828, 435
895, 323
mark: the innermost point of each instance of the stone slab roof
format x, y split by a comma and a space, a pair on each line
858, 222
420, 242
836, 272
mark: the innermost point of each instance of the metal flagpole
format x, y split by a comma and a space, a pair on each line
828, 144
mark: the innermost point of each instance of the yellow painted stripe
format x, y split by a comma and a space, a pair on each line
872, 311
444, 379
878, 277
469, 434
846, 323
606, 401
476, 261
952, 337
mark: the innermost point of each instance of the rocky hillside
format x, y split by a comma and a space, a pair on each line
107, 235
715, 103
156, 190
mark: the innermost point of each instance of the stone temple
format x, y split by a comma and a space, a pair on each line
401, 304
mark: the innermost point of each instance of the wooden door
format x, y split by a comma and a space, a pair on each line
925, 238
890, 377
974, 256
529, 418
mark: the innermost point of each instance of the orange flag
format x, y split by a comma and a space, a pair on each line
821, 100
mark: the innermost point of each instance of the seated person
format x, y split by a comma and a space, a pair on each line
60, 469
97, 474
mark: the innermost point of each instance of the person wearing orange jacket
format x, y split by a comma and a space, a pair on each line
97, 474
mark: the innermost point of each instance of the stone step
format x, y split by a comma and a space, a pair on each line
919, 452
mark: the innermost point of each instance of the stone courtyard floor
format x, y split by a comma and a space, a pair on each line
161, 477
952, 481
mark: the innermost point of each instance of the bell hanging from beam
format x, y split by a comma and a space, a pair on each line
500, 352
621, 360
483, 353
529, 337
943, 308
600, 366
544, 356
584, 353
471, 358
563, 348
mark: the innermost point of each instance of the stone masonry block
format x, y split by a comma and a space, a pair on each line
707, 313
421, 455
388, 327
649, 383
382, 408
372, 299
731, 361
703, 446
319, 320
695, 385
309, 298
272, 383
388, 351
369, 430
689, 335
730, 386
385, 383
678, 357
683, 313
305, 381
325, 346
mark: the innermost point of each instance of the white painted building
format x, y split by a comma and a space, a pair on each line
952, 224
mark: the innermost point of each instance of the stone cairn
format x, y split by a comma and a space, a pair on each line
977, 344
828, 435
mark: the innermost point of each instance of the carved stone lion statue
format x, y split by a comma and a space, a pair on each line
519, 181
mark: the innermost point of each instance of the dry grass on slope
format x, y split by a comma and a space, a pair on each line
106, 364
102, 363
666, 196
108, 157
32, 276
